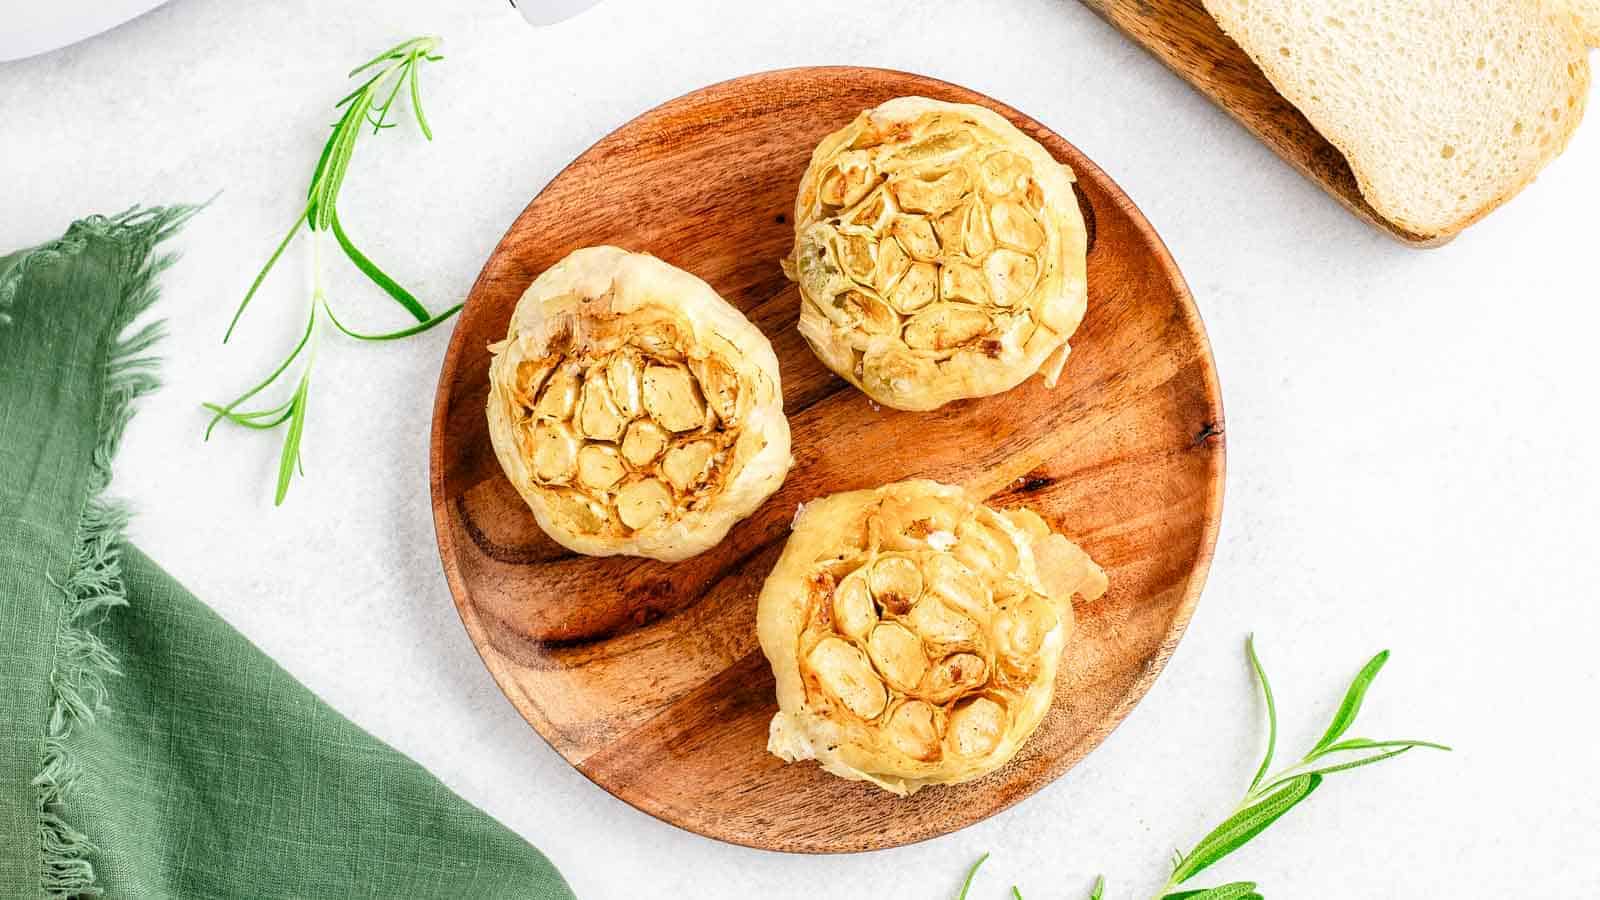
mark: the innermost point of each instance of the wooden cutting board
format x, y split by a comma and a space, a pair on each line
647, 676
1183, 35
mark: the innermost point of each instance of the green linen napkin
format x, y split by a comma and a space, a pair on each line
148, 750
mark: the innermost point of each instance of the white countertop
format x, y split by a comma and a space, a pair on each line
1412, 435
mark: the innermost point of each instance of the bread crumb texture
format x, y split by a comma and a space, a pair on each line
1587, 14
1444, 108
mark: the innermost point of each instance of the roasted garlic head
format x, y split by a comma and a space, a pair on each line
940, 254
915, 633
634, 409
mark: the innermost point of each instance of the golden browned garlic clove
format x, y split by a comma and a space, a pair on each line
915, 634
634, 409
940, 254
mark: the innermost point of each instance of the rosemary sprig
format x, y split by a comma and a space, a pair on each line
1269, 797
368, 105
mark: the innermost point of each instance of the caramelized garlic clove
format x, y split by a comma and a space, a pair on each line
1010, 276
891, 266
1021, 628
950, 228
720, 386
985, 548
622, 378
978, 238
915, 234
855, 253
946, 325
845, 673
672, 398
531, 377
1004, 173
975, 728
598, 418
560, 394
643, 504
848, 181
688, 465
896, 652
952, 676
853, 609
1016, 227
887, 371
932, 197
937, 150
962, 281
874, 213
600, 467
868, 313
896, 583
940, 625
643, 442
555, 453
918, 288
914, 731
958, 586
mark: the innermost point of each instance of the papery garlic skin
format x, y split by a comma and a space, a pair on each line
940, 254
634, 409
915, 634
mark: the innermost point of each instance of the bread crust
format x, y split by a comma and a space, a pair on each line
1401, 187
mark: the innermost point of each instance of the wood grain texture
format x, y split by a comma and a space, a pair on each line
1188, 41
647, 676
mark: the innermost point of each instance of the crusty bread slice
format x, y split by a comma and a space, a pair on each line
1444, 108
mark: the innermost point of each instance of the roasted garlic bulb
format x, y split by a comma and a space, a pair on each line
634, 409
915, 633
940, 254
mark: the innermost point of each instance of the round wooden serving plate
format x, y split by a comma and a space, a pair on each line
648, 676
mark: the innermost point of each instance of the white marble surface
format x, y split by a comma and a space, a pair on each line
1412, 435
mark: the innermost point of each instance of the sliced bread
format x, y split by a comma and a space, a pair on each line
1444, 108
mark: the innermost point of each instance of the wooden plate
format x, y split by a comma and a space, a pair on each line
648, 676
1188, 41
